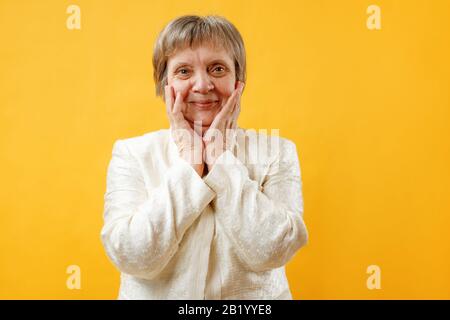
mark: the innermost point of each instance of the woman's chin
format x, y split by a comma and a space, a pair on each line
196, 126
204, 121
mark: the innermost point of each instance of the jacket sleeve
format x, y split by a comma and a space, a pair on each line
142, 228
265, 226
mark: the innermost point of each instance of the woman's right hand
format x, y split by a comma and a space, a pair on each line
190, 143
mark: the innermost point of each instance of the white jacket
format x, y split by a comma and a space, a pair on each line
174, 235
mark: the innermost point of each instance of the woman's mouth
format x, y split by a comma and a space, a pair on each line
205, 105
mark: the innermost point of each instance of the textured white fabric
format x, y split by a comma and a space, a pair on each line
174, 235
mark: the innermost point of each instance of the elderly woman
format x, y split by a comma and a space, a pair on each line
188, 214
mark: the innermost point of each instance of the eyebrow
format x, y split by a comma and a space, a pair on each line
215, 61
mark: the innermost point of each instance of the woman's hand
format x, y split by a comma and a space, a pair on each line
221, 134
190, 144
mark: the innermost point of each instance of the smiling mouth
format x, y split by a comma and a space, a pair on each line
204, 105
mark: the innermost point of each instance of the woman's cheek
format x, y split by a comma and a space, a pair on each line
225, 89
179, 86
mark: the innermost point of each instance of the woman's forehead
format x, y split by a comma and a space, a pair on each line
201, 53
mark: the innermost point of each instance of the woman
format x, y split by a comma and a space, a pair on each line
187, 214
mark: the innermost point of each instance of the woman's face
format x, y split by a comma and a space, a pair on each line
206, 76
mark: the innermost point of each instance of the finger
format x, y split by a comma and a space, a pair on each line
179, 105
235, 116
237, 107
239, 88
212, 130
175, 117
168, 98
207, 135
238, 101
222, 118
228, 107
227, 124
233, 101
230, 116
217, 123
184, 95
231, 134
240, 85
169, 104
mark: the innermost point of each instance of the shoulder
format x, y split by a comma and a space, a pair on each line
138, 145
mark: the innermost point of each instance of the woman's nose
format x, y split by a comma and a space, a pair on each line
202, 83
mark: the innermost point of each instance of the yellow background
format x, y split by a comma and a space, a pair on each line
368, 110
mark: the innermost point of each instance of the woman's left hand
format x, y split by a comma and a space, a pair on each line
221, 133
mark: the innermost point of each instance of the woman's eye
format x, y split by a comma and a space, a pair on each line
219, 69
183, 71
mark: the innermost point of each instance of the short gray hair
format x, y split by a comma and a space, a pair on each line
193, 31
